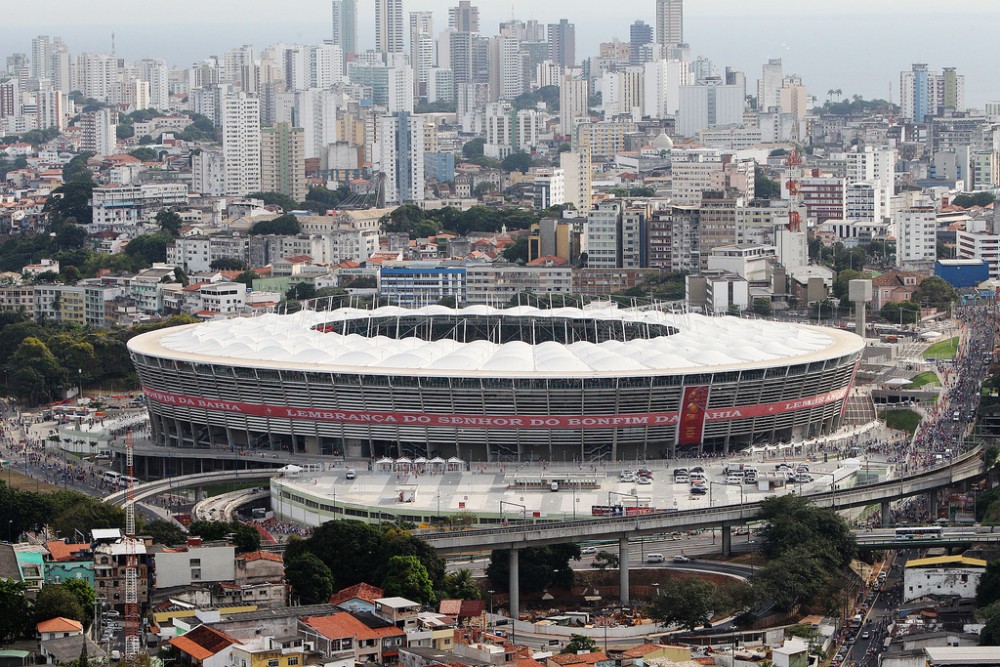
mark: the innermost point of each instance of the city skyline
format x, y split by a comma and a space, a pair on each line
831, 47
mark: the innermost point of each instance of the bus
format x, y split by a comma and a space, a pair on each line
111, 477
919, 533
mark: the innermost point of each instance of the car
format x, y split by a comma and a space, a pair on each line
350, 474
588, 550
112, 613
626, 476
654, 558
866, 635
643, 480
698, 491
681, 559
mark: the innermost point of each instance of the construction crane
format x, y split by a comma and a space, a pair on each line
131, 555
794, 164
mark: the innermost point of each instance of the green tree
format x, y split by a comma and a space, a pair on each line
165, 533
982, 199
483, 189
247, 278
15, 611
936, 293
762, 307
149, 249
580, 644
56, 600
792, 578
349, 548
285, 225
519, 161
688, 603
474, 148
988, 590
517, 252
71, 200
84, 514
460, 585
85, 595
900, 312
764, 187
990, 634
792, 521
301, 292
170, 222
244, 537
144, 154
34, 374
76, 170
282, 201
407, 577
310, 579
606, 560
539, 567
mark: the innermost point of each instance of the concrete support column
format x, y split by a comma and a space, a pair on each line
727, 541
932, 502
623, 568
514, 585
886, 512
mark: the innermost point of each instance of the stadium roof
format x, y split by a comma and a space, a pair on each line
700, 343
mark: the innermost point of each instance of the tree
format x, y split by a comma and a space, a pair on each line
56, 600
82, 513
539, 567
483, 189
688, 603
349, 548
988, 590
169, 222
901, 312
764, 187
792, 521
165, 533
519, 161
474, 148
517, 252
282, 201
71, 200
285, 225
407, 577
83, 661
459, 585
149, 249
244, 537
990, 634
76, 170
15, 611
34, 373
145, 154
580, 644
301, 292
310, 579
936, 293
762, 307
606, 560
228, 264
982, 199
85, 595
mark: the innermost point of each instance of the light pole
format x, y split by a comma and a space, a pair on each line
489, 625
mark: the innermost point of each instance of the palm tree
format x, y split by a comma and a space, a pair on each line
829, 94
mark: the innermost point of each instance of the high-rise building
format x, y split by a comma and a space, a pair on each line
562, 43
669, 23
326, 65
96, 73
316, 113
505, 68
422, 50
769, 85
241, 143
924, 93
345, 26
389, 26
574, 103
640, 34
50, 108
464, 18
709, 103
154, 71
99, 132
398, 152
10, 98
283, 160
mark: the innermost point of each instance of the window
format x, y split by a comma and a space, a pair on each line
292, 662
273, 662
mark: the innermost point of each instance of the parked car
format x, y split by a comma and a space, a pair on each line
681, 559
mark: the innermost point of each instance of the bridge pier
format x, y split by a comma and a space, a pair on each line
514, 585
932, 504
623, 568
886, 512
727, 541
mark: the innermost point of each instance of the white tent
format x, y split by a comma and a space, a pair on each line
931, 334
898, 382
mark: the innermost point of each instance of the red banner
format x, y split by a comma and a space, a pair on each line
694, 410
495, 421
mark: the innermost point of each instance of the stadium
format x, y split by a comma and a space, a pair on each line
486, 384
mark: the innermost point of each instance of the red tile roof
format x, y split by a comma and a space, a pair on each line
203, 642
262, 555
361, 591
60, 624
61, 551
579, 658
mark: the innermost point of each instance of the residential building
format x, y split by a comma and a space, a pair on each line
669, 23
709, 103
241, 144
206, 647
344, 31
120, 208
99, 132
495, 284
916, 235
895, 286
283, 161
578, 174
369, 638
417, 284
716, 293
389, 31
550, 187
574, 104
423, 50
562, 43
603, 235
109, 572
673, 239
925, 93
58, 627
464, 17
769, 85
942, 576
640, 35
399, 154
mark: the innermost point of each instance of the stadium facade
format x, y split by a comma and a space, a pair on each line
488, 384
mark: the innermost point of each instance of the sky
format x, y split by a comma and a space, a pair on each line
858, 46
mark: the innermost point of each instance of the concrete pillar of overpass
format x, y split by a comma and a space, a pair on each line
932, 504
514, 585
623, 568
727, 541
886, 513
197, 494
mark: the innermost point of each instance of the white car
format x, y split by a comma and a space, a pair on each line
681, 559
642, 481
350, 474
588, 550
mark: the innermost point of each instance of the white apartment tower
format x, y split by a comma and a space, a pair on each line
769, 85
389, 26
464, 17
316, 113
506, 68
99, 132
154, 72
398, 153
423, 49
574, 105
241, 143
669, 23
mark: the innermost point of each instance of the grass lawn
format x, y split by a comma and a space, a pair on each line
23, 483
902, 420
925, 379
946, 349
